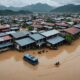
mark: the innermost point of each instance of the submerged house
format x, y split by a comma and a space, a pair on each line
39, 39
53, 38
72, 31
5, 42
55, 41
19, 35
25, 43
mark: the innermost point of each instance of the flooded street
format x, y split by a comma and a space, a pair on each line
13, 67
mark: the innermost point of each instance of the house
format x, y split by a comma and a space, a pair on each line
47, 27
29, 22
25, 43
19, 35
14, 27
61, 25
4, 28
47, 24
53, 38
73, 31
76, 20
77, 26
10, 32
50, 33
38, 38
5, 43
2, 34
54, 42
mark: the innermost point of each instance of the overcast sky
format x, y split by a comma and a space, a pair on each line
20, 3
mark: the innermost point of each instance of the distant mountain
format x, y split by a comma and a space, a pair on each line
33, 8
14, 8
38, 7
67, 8
3, 7
10, 12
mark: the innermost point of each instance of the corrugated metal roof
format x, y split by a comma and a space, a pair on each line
2, 34
1, 39
55, 40
10, 32
36, 36
25, 41
20, 34
5, 45
72, 30
50, 33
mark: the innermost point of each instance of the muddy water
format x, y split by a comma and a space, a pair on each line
13, 67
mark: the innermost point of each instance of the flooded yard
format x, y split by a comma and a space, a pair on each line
13, 67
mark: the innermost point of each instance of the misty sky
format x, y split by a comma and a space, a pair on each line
20, 3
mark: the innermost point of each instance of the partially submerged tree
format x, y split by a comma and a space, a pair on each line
69, 38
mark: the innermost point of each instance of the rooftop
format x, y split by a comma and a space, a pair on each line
55, 40
4, 26
50, 33
19, 34
72, 30
36, 36
24, 42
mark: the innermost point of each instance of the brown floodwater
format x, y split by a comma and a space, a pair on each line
13, 67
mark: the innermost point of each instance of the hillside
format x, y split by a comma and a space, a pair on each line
67, 8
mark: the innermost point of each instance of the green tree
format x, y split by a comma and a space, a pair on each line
50, 20
69, 38
14, 21
30, 28
24, 25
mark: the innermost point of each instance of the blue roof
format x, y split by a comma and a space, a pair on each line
25, 41
36, 36
55, 40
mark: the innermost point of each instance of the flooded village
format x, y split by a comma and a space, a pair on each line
54, 39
